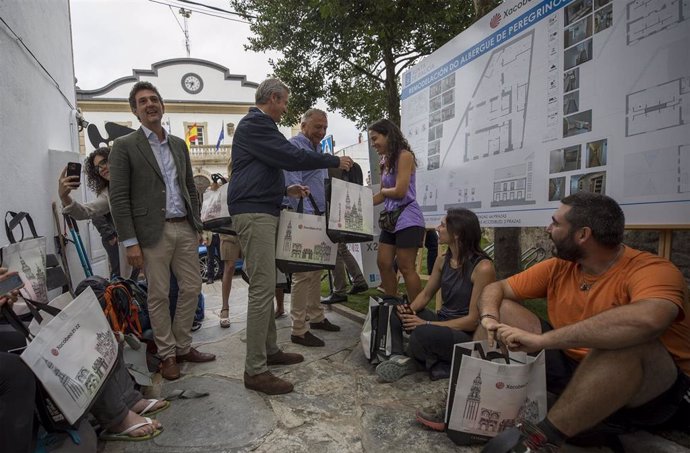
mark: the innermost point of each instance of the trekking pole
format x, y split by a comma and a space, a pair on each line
79, 245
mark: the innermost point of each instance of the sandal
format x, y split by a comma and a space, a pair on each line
125, 435
224, 320
150, 411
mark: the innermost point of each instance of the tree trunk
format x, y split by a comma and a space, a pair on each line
507, 251
391, 87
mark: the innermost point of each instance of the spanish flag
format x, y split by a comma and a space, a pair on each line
191, 135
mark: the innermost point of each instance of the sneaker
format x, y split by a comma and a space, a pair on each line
440, 370
308, 339
395, 368
358, 289
324, 325
432, 418
524, 437
334, 299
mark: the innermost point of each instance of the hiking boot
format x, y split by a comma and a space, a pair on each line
395, 368
284, 358
267, 383
432, 418
358, 289
524, 437
324, 325
334, 299
308, 339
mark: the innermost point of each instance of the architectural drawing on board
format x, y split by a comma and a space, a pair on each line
648, 17
494, 120
463, 191
513, 185
655, 172
659, 107
441, 109
429, 198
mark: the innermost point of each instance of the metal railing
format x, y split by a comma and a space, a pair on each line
209, 153
528, 258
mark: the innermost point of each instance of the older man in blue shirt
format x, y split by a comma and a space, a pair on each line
305, 308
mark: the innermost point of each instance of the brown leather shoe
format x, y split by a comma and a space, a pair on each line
196, 357
169, 369
284, 358
267, 383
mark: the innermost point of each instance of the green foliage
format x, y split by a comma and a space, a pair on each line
351, 52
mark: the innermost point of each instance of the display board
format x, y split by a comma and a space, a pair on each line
542, 99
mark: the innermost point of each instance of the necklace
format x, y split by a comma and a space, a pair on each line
585, 285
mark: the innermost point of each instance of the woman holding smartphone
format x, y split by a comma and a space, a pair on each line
98, 180
461, 274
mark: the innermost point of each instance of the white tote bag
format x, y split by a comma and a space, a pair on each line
73, 354
350, 212
487, 395
303, 244
214, 211
26, 256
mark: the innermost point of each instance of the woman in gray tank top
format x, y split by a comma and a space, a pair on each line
461, 274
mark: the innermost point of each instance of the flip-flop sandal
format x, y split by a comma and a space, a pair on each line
224, 320
148, 410
185, 395
280, 314
124, 435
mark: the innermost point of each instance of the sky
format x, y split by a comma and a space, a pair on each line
112, 37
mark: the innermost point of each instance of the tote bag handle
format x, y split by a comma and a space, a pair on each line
300, 205
15, 220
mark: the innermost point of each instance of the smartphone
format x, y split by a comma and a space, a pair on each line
10, 283
74, 169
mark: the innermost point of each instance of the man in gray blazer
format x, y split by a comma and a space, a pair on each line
155, 207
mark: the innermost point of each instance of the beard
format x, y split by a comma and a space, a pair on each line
566, 249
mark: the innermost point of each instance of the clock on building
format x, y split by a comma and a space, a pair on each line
192, 83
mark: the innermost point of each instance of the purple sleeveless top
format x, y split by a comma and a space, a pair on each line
412, 215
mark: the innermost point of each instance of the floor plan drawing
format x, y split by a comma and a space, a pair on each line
494, 120
659, 107
648, 17
656, 172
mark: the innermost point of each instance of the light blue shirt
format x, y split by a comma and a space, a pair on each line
312, 178
174, 203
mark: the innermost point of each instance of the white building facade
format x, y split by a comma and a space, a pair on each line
195, 92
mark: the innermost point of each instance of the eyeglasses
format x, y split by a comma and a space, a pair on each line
102, 165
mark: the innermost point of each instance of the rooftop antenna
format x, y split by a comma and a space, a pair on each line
186, 14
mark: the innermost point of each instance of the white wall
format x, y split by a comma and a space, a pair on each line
34, 115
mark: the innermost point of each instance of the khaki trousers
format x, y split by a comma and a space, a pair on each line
177, 250
257, 234
343, 260
305, 301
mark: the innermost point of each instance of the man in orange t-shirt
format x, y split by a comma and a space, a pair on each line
618, 342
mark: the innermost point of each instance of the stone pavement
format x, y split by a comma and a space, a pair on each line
337, 406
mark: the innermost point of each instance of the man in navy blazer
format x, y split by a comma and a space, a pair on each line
155, 207
259, 154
